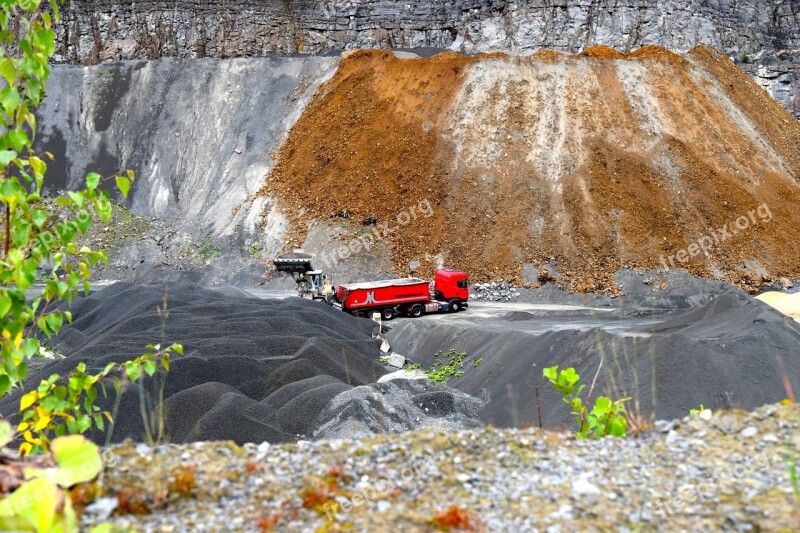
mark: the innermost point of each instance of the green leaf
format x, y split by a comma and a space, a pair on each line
8, 70
29, 5
20, 233
617, 426
601, 406
550, 373
149, 367
133, 370
34, 502
19, 139
124, 185
92, 180
6, 433
39, 217
78, 461
76, 197
9, 99
7, 156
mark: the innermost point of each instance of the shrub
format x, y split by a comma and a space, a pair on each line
607, 417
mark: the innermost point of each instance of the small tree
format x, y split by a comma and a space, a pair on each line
37, 234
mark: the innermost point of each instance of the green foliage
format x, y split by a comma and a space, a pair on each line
413, 366
701, 412
478, 362
793, 476
35, 234
607, 417
745, 57
41, 503
441, 372
198, 253
31, 236
62, 406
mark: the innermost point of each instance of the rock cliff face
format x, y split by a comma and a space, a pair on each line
760, 34
197, 133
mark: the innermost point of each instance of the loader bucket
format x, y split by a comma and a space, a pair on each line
294, 263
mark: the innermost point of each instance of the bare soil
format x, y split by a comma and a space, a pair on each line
593, 162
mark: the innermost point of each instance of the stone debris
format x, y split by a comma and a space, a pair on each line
396, 360
702, 476
495, 291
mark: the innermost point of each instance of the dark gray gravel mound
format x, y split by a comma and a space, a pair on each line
732, 352
254, 370
238, 352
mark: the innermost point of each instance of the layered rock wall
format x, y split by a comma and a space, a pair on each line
764, 36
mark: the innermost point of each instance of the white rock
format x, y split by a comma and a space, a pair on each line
749, 431
396, 360
384, 506
102, 508
404, 374
583, 487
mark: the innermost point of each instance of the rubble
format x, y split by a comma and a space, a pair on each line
495, 291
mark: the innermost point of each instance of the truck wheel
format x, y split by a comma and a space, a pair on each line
455, 306
387, 313
359, 314
417, 310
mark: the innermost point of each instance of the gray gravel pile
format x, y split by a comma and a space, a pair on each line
397, 406
733, 352
728, 473
253, 370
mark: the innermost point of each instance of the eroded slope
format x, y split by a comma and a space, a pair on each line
593, 162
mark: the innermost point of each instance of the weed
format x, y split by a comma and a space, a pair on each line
701, 412
455, 361
745, 57
267, 524
413, 366
606, 418
477, 362
83, 494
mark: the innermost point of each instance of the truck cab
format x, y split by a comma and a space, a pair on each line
450, 288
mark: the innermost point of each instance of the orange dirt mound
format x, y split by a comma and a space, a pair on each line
657, 53
548, 55
602, 52
594, 165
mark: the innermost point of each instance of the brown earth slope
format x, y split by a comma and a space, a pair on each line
593, 162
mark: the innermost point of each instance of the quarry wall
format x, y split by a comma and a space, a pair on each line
764, 36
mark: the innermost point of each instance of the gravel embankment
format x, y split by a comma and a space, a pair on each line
727, 473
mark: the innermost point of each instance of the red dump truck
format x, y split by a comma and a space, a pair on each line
409, 296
